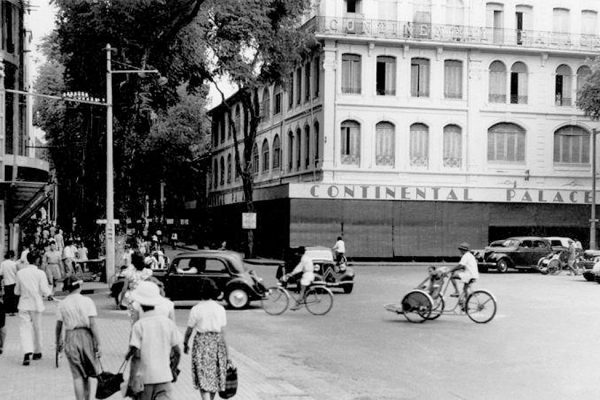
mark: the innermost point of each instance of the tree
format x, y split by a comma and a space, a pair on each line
588, 97
253, 44
148, 34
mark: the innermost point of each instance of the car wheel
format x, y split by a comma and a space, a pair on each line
588, 276
502, 266
348, 288
238, 298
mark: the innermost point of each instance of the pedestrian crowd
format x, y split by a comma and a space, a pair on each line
155, 343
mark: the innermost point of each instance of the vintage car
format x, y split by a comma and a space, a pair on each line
325, 268
586, 262
227, 269
520, 252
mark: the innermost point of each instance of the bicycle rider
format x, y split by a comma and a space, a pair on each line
306, 267
465, 271
339, 250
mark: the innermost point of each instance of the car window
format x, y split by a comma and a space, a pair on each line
540, 244
214, 266
556, 243
527, 244
189, 265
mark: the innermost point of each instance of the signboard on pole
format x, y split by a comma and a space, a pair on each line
248, 220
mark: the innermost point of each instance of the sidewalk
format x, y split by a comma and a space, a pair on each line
42, 380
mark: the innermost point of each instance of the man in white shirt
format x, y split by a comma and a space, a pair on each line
466, 271
153, 337
8, 271
340, 251
32, 285
69, 258
306, 267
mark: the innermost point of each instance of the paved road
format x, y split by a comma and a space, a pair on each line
541, 345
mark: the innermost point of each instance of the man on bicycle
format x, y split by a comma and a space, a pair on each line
465, 271
339, 250
308, 275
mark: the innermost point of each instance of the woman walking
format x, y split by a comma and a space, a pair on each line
209, 352
76, 317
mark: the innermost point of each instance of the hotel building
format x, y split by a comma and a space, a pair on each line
420, 124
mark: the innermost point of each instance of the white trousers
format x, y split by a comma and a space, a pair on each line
30, 330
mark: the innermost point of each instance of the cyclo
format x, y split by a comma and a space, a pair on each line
429, 301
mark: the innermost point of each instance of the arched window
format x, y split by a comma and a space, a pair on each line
265, 107
497, 82
351, 73
255, 160
266, 157
452, 146
229, 166
290, 150
276, 153
419, 145
298, 148
316, 147
222, 170
225, 124
385, 82
571, 145
562, 86
419, 77
506, 142
582, 74
384, 143
235, 168
277, 98
307, 146
350, 142
518, 83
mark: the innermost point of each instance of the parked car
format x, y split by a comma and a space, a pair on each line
587, 262
325, 268
227, 269
520, 252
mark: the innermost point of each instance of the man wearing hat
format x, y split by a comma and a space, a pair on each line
465, 271
153, 337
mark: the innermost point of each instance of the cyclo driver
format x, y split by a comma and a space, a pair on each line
466, 270
308, 275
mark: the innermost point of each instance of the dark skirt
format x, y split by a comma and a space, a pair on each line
79, 349
209, 361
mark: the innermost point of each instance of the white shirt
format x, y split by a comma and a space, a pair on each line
340, 247
32, 284
207, 316
470, 263
75, 311
155, 335
68, 252
23, 258
8, 270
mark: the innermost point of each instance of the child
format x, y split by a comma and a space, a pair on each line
433, 283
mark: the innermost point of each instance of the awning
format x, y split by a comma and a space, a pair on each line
44, 194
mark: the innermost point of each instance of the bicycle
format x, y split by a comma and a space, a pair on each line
318, 300
419, 306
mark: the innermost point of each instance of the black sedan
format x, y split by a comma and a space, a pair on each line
227, 269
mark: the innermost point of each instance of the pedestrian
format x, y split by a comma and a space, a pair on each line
68, 258
174, 239
8, 271
52, 266
76, 317
2, 324
32, 286
154, 342
82, 255
60, 240
209, 351
339, 250
166, 307
23, 258
572, 250
133, 275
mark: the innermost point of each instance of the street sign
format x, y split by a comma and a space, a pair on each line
248, 220
103, 221
170, 221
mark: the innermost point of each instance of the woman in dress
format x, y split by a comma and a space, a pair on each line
133, 275
209, 352
76, 318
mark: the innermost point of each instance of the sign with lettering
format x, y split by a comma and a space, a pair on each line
248, 220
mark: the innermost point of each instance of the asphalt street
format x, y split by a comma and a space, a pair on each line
541, 344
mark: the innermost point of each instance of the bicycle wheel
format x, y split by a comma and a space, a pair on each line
416, 306
481, 306
276, 300
438, 308
318, 300
554, 267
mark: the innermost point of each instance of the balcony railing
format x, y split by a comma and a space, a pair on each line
410, 31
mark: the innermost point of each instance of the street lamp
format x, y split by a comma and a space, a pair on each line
110, 217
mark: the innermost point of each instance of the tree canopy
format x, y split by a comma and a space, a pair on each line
588, 97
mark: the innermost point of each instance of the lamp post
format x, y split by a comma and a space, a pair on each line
110, 210
593, 244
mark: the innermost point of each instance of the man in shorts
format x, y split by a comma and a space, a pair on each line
306, 267
465, 271
52, 266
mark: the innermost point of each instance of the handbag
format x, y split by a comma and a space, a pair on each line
231, 381
109, 383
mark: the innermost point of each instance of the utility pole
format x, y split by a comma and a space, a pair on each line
593, 244
110, 222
